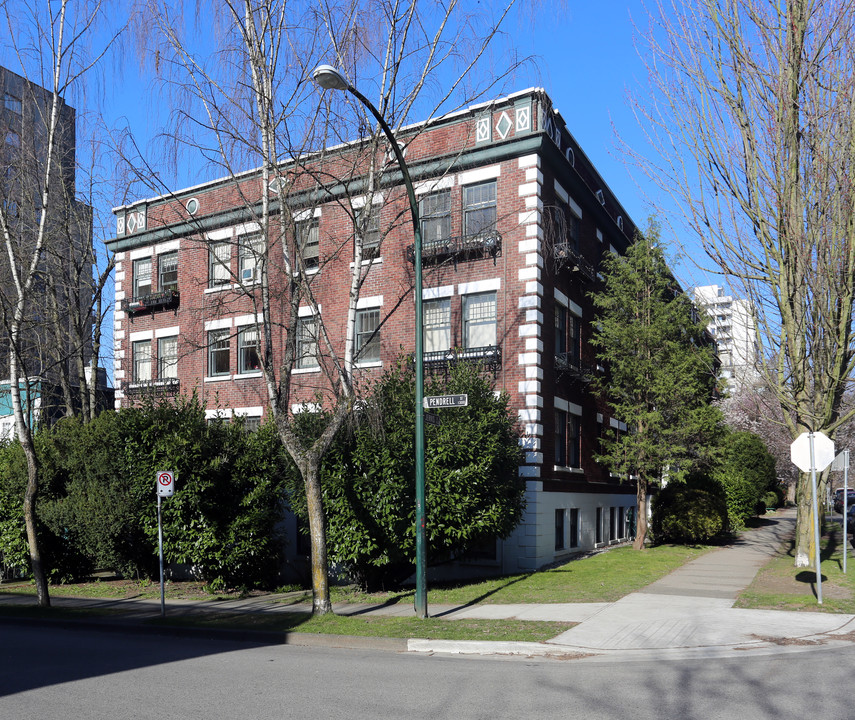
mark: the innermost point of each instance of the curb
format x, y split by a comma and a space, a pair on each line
255, 637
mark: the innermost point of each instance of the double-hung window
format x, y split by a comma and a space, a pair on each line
567, 439
248, 361
308, 242
567, 337
142, 277
11, 102
167, 357
437, 324
218, 352
250, 253
368, 231
368, 335
479, 320
219, 260
435, 214
479, 208
167, 269
141, 351
559, 529
307, 343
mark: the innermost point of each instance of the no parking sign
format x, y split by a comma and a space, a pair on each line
165, 480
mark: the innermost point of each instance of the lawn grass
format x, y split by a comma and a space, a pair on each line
781, 586
598, 577
388, 627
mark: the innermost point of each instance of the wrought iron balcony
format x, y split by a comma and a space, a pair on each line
151, 302
161, 386
466, 247
490, 356
570, 364
565, 254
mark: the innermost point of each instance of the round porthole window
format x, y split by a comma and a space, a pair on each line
192, 206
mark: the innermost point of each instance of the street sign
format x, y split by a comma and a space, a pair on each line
165, 480
841, 462
431, 418
823, 451
445, 401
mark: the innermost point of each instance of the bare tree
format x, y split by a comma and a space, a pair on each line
255, 106
37, 215
751, 112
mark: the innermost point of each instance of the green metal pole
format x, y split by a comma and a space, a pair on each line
420, 602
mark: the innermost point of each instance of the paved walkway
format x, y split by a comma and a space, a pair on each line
688, 613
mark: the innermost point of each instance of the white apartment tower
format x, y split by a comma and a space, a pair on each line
731, 323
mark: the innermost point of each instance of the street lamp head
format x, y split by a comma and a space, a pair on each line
327, 77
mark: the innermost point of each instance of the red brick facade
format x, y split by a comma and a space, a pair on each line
503, 294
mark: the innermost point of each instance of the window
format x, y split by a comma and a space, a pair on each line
621, 522
308, 242
219, 259
142, 360
368, 335
574, 527
248, 361
599, 525
12, 103
13, 140
167, 357
613, 523
307, 343
479, 320
567, 336
567, 440
572, 229
437, 325
479, 208
368, 231
250, 252
218, 352
435, 214
167, 268
559, 529
251, 424
142, 277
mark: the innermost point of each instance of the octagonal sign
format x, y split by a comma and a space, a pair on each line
823, 451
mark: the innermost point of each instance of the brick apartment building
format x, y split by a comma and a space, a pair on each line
514, 219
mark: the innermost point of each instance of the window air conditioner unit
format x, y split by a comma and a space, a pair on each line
247, 275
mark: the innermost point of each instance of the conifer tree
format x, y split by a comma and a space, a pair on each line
660, 372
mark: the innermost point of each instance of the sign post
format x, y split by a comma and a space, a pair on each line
841, 462
811, 452
165, 482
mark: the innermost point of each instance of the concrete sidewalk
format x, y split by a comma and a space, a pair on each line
688, 613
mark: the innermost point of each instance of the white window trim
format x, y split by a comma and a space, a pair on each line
141, 335
167, 332
437, 293
374, 301
218, 324
165, 247
479, 286
360, 202
307, 311
479, 175
308, 214
219, 235
140, 253
426, 187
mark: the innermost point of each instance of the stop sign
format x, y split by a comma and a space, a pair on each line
823, 451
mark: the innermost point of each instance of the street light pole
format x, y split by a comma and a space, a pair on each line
329, 78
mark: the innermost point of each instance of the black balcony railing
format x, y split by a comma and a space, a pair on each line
466, 247
152, 302
161, 386
570, 365
490, 356
566, 254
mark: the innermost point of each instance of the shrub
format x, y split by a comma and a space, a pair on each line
771, 499
683, 513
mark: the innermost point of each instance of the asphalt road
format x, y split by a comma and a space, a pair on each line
49, 673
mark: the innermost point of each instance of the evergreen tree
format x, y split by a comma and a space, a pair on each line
660, 372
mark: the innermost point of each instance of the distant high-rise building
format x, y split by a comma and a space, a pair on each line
56, 336
732, 325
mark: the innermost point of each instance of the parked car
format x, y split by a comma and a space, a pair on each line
838, 499
850, 520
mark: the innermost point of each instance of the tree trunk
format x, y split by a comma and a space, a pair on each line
30, 522
804, 550
321, 604
641, 514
